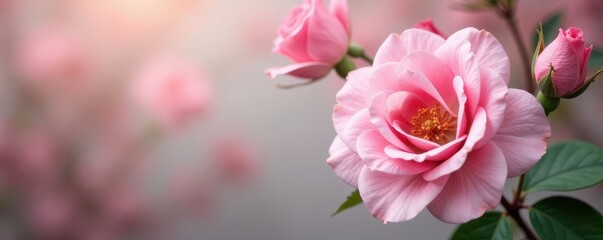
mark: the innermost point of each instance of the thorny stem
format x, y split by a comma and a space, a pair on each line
513, 211
508, 13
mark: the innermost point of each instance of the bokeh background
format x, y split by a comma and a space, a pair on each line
153, 119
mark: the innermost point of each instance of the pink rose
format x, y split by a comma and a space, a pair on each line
172, 90
433, 124
569, 58
428, 26
314, 37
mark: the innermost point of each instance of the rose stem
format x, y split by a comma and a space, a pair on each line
508, 13
513, 211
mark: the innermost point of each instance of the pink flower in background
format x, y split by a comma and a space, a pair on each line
236, 160
569, 58
428, 26
314, 37
172, 90
432, 124
52, 58
52, 212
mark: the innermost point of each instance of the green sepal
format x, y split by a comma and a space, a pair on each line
548, 103
546, 85
539, 47
345, 66
355, 50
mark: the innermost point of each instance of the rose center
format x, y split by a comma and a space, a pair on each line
434, 124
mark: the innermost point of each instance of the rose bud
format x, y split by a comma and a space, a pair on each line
563, 63
428, 25
315, 37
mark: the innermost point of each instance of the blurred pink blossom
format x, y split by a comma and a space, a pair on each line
172, 90
53, 59
237, 160
39, 156
52, 212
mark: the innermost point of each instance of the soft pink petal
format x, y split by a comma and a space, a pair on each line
437, 154
383, 78
310, 70
419, 84
345, 163
378, 118
327, 37
461, 121
458, 56
487, 50
522, 136
474, 188
574, 37
453, 164
437, 72
351, 97
396, 198
356, 125
397, 46
340, 9
584, 66
493, 100
403, 106
294, 45
371, 149
419, 143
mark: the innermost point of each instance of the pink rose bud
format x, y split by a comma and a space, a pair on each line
315, 37
428, 26
568, 58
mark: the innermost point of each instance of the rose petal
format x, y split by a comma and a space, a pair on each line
488, 51
395, 198
351, 97
458, 56
493, 100
456, 162
474, 188
371, 149
345, 163
356, 125
437, 72
340, 9
327, 37
437, 154
461, 121
523, 134
310, 70
377, 117
397, 46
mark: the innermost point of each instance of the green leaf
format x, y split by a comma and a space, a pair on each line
596, 59
353, 200
566, 218
550, 28
490, 226
565, 167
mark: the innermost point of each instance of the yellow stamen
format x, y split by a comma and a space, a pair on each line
433, 124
